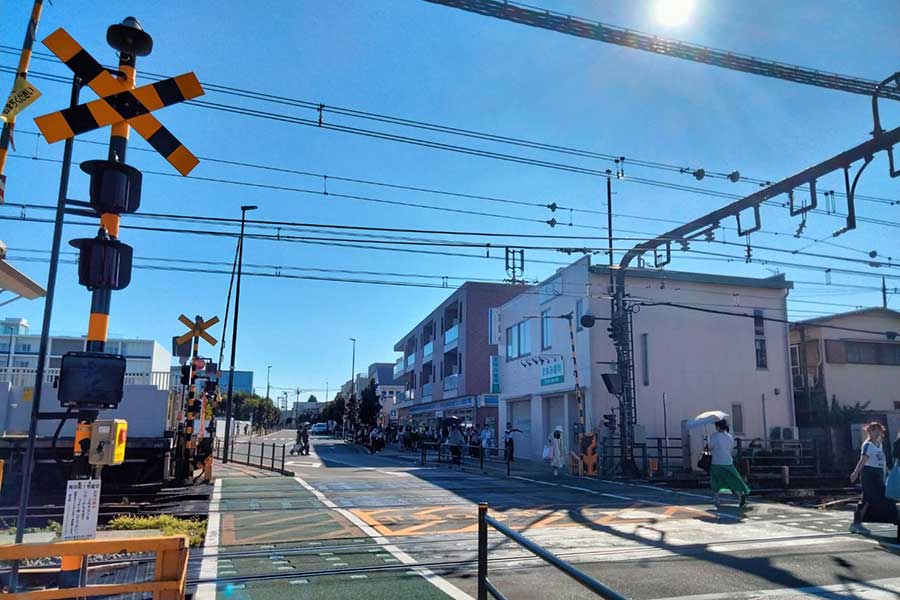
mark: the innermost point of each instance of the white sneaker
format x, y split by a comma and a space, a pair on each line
858, 528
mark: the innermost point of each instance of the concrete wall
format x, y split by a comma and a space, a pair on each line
705, 361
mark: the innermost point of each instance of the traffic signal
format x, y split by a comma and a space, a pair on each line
185, 374
609, 421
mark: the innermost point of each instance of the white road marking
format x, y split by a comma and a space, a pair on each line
879, 589
208, 564
305, 465
435, 580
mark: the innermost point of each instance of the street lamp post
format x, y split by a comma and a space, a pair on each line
352, 378
268, 371
237, 305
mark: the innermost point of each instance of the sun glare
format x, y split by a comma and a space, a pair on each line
673, 13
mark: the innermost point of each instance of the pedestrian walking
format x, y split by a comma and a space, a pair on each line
723, 476
304, 439
557, 452
456, 440
509, 444
870, 471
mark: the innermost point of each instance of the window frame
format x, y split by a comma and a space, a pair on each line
765, 354
546, 330
737, 422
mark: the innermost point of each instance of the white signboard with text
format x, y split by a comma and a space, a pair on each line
82, 506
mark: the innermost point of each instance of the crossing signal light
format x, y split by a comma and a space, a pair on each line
609, 421
103, 263
185, 374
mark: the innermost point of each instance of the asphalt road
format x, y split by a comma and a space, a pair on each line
346, 509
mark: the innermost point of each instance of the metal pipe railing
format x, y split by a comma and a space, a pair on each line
484, 585
467, 452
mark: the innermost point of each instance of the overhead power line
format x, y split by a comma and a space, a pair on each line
884, 262
629, 38
321, 109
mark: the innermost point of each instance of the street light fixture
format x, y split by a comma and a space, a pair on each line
237, 306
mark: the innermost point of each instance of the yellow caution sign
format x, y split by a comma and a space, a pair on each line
23, 94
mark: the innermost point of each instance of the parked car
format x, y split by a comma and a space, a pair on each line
319, 429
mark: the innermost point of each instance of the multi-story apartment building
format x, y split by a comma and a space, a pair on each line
19, 355
701, 342
445, 367
850, 358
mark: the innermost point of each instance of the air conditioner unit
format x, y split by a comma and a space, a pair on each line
784, 434
790, 434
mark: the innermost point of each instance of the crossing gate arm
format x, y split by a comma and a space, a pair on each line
171, 566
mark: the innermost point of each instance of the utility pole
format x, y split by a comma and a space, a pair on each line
268, 371
234, 331
21, 73
883, 292
609, 228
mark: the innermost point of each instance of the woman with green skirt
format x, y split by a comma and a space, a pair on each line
723, 475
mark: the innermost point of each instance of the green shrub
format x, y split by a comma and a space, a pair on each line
195, 529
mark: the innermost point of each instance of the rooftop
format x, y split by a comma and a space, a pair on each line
774, 282
873, 310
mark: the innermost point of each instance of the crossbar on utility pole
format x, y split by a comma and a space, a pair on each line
882, 141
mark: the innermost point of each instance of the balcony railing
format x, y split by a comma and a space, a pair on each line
398, 368
451, 335
426, 391
427, 351
26, 377
410, 362
451, 382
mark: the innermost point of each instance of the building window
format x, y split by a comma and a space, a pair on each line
759, 324
546, 330
23, 348
762, 360
737, 418
872, 353
645, 358
518, 341
759, 333
579, 311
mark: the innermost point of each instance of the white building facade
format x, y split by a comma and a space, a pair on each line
694, 358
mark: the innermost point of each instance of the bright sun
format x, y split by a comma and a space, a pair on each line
674, 12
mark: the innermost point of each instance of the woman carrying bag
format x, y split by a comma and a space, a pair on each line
722, 474
870, 471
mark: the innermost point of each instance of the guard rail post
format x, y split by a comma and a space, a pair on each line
272, 462
482, 551
663, 462
262, 454
282, 459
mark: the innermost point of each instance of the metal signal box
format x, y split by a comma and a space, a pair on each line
108, 437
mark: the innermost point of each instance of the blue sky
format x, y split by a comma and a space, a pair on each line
420, 61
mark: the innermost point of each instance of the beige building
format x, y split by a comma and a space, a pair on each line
850, 358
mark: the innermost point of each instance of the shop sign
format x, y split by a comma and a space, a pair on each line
495, 374
552, 373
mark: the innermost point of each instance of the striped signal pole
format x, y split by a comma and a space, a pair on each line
72, 570
579, 394
21, 71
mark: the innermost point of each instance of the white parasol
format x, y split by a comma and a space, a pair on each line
707, 418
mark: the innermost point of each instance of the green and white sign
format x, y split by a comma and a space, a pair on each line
552, 373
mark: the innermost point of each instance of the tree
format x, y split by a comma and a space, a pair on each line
312, 398
334, 410
369, 406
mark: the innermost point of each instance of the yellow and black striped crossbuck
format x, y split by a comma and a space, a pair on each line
119, 102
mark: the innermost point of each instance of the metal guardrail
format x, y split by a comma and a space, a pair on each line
269, 458
480, 455
485, 586
169, 579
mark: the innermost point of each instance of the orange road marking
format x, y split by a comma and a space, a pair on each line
414, 528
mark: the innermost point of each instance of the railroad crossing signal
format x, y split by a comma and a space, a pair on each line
118, 102
197, 328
